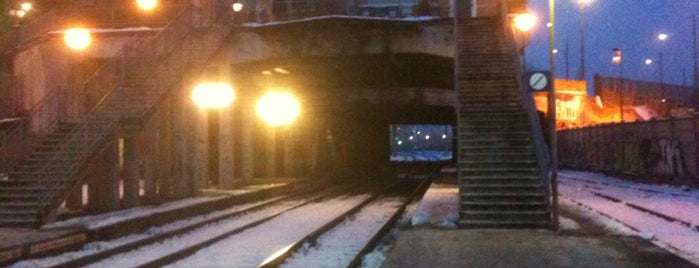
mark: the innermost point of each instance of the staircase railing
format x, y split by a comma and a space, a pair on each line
13, 144
150, 65
527, 101
20, 139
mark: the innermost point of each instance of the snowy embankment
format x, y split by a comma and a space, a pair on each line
667, 216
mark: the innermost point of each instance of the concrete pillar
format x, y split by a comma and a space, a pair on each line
75, 199
226, 145
199, 161
164, 176
289, 160
131, 176
271, 155
246, 161
110, 183
151, 159
180, 143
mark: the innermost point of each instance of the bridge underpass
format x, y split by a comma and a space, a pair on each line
354, 77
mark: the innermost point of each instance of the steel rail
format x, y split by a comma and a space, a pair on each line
101, 255
282, 255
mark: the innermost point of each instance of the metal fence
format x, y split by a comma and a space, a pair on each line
657, 150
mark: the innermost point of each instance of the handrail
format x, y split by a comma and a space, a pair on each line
12, 145
95, 128
42, 119
527, 102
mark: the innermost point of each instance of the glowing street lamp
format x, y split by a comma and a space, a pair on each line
213, 95
661, 37
616, 59
582, 4
147, 4
524, 23
78, 38
278, 108
237, 6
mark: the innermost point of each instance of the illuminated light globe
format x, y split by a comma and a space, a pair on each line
78, 38
237, 6
277, 108
147, 4
26, 6
524, 22
213, 95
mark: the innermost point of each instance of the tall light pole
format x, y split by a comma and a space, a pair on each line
662, 37
617, 59
524, 23
276, 108
551, 110
582, 4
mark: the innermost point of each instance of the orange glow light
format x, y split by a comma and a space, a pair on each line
78, 38
147, 4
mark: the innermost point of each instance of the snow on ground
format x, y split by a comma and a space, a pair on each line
592, 191
438, 207
97, 221
338, 247
584, 193
98, 246
251, 247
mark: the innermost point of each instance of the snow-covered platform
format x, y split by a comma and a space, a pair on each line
585, 239
18, 243
429, 247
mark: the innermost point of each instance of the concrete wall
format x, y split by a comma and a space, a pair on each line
331, 37
663, 151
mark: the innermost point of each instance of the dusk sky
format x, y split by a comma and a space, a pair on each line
630, 25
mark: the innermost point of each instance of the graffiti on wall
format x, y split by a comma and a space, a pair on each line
664, 157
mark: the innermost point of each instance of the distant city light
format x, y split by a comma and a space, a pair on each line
399, 142
662, 36
427, 137
26, 6
444, 136
411, 138
649, 61
555, 51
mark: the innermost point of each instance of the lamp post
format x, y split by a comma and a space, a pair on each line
551, 110
276, 109
662, 37
77, 38
212, 97
582, 4
524, 23
617, 59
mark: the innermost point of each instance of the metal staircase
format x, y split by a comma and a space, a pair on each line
502, 182
128, 88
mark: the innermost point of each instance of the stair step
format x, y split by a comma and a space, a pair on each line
503, 203
500, 194
469, 223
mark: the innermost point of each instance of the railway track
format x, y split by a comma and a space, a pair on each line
631, 207
179, 243
97, 251
364, 225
